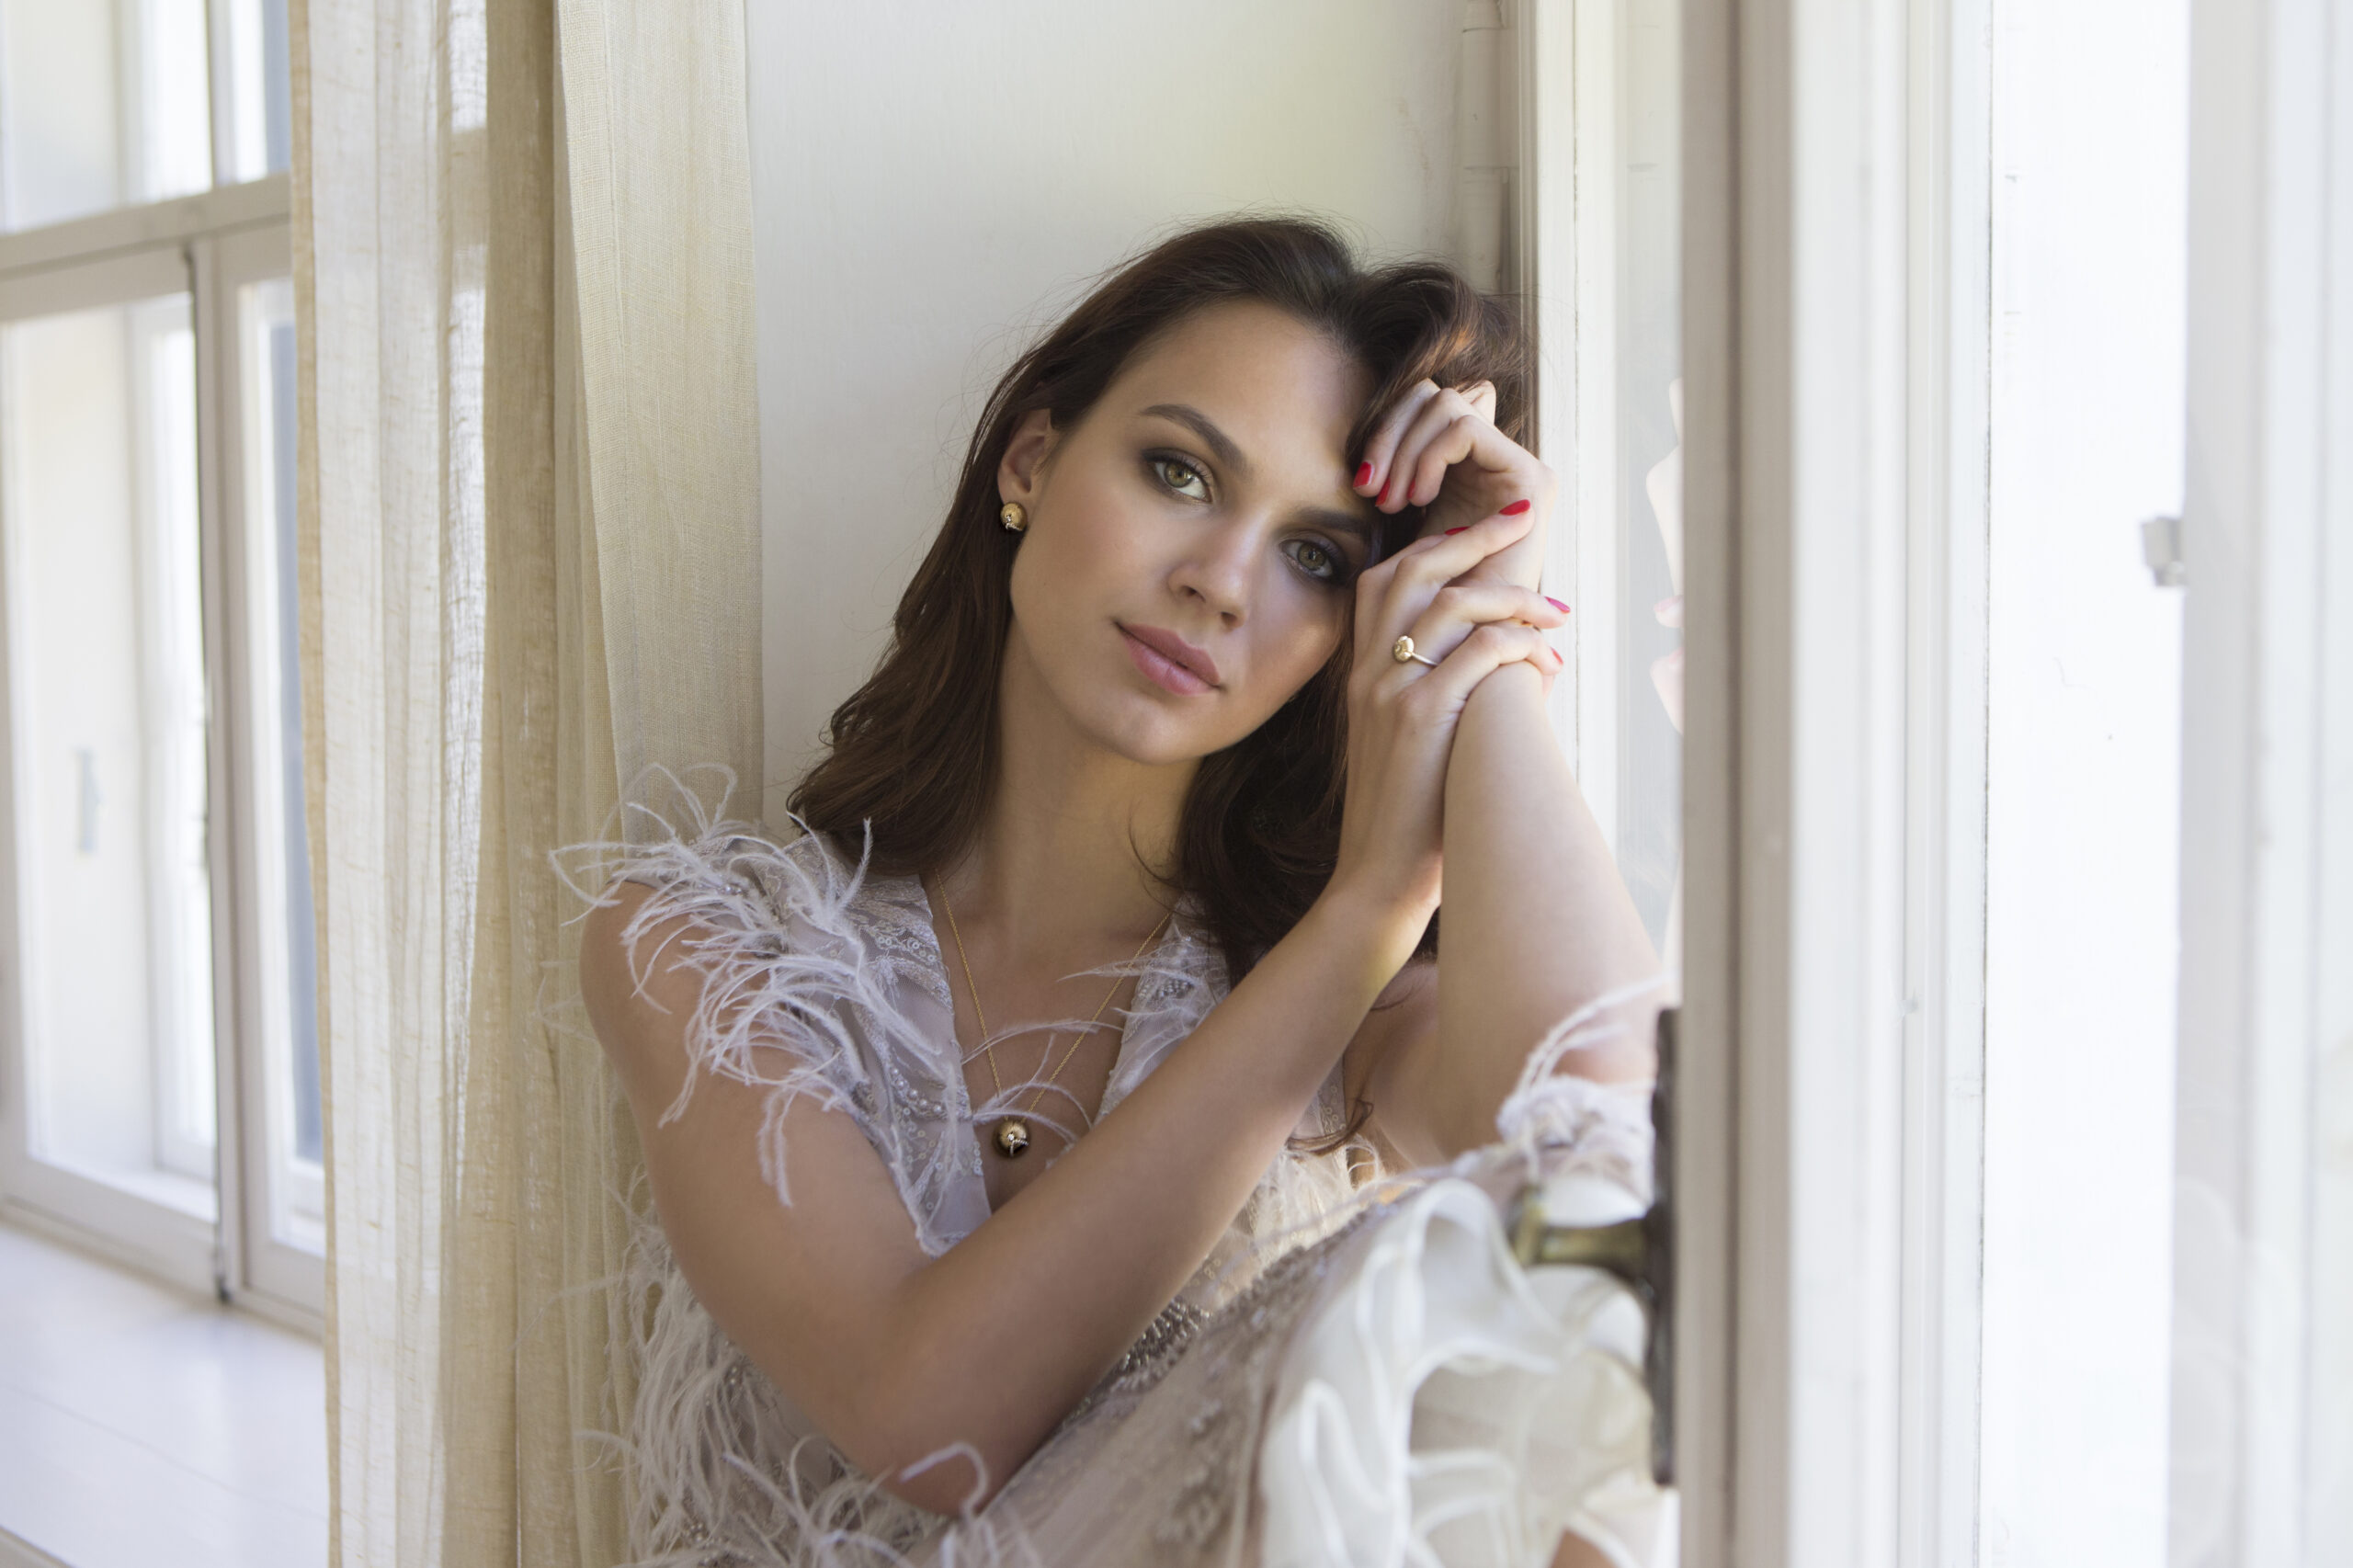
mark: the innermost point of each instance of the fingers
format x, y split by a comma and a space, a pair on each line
1440, 434
1372, 474
1397, 466
1417, 571
1486, 649
1460, 608
1437, 442
1391, 595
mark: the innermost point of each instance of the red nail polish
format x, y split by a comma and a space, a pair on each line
1516, 507
1556, 604
1457, 530
1364, 474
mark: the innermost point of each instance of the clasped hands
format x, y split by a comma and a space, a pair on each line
1465, 592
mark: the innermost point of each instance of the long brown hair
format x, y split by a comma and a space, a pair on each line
914, 752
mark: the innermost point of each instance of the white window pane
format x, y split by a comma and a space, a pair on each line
288, 1016
106, 744
2090, 122
259, 117
61, 96
173, 105
1649, 487
103, 103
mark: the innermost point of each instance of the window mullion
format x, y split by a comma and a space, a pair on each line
220, 818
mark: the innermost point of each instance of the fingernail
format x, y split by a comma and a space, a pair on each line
1556, 604
1464, 528
1516, 507
1364, 474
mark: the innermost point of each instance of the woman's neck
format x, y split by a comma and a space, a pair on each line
1066, 854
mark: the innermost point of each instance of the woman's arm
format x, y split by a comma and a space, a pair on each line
896, 1356
1538, 923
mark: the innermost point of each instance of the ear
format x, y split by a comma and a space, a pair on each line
1019, 470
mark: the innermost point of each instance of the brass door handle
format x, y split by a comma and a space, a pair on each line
1639, 1252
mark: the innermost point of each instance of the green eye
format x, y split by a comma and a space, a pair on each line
1179, 476
1315, 559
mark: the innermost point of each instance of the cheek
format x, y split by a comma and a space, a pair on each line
1084, 540
1303, 637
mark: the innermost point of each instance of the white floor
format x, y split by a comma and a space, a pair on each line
140, 1427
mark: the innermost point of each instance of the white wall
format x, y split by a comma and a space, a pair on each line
2090, 110
933, 184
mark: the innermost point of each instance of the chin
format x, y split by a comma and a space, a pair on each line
1144, 730
1148, 743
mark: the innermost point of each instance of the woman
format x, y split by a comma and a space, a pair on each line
1230, 641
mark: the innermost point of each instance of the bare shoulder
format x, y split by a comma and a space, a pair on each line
640, 988
808, 1285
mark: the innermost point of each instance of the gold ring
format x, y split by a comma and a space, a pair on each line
1403, 652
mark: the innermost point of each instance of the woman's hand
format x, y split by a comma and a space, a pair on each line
1438, 448
1401, 714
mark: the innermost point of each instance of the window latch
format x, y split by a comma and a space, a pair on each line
1639, 1252
2161, 547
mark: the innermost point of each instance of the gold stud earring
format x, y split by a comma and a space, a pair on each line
1014, 517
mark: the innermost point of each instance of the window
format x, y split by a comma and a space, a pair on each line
1601, 213
159, 1085
2010, 1112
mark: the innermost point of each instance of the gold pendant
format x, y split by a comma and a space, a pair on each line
1012, 1137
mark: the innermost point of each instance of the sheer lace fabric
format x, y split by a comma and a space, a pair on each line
1294, 1381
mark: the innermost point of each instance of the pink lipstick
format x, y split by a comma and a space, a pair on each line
1170, 661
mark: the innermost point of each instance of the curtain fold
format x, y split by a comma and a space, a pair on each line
529, 567
660, 193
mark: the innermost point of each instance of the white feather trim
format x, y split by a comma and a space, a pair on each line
822, 980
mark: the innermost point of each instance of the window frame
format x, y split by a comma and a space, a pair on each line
210, 244
258, 1262
164, 1228
1832, 1036
2262, 1396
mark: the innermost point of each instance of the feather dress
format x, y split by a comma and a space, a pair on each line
1359, 1373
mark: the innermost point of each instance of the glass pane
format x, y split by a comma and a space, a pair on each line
103, 103
2090, 139
260, 118
1650, 458
287, 938
107, 742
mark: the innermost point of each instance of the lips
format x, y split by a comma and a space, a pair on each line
1169, 660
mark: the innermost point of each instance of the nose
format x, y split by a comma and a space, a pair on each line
1218, 565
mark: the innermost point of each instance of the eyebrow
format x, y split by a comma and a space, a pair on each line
1340, 522
1221, 446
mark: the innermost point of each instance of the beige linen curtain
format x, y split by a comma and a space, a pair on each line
530, 570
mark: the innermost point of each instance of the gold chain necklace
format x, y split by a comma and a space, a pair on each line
1012, 1134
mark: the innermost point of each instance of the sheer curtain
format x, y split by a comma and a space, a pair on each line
529, 570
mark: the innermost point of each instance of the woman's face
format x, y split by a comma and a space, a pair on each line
1193, 542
